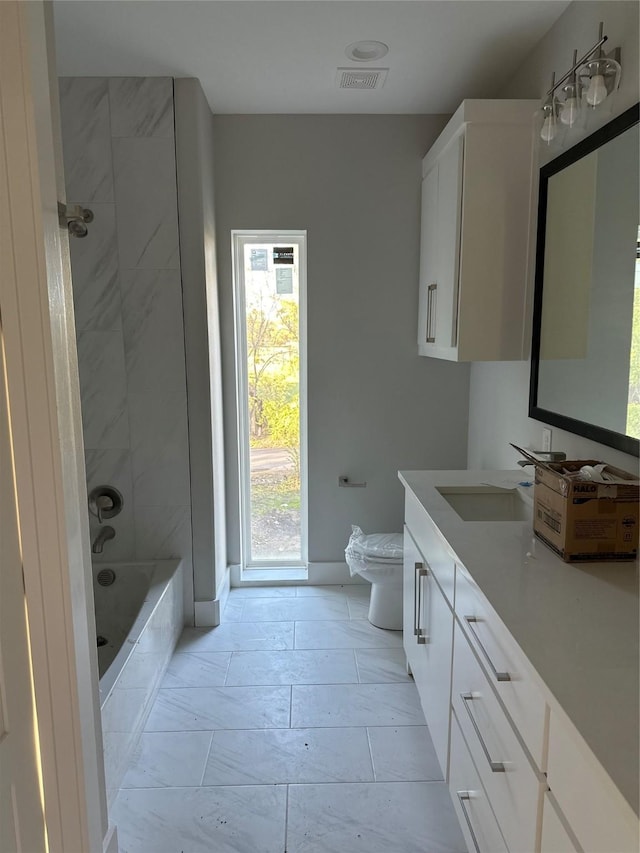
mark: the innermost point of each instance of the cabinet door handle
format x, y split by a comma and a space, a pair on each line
421, 635
496, 766
416, 569
431, 313
463, 796
500, 676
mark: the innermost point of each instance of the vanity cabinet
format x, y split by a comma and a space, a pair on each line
512, 784
428, 642
555, 836
590, 805
477, 820
475, 226
521, 776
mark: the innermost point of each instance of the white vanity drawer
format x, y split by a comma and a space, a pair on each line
477, 820
512, 785
506, 666
596, 811
555, 838
430, 542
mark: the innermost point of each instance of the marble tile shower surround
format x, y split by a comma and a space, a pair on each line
267, 737
119, 158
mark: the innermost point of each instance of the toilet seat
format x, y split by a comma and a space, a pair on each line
377, 547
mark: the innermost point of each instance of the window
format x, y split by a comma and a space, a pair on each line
270, 290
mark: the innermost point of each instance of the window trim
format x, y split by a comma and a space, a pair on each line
240, 238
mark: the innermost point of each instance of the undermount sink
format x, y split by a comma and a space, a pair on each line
487, 503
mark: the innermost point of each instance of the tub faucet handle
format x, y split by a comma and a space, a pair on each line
105, 502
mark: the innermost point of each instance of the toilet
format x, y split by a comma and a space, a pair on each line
378, 559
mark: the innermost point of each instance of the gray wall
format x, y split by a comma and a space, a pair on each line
374, 405
499, 391
119, 157
194, 155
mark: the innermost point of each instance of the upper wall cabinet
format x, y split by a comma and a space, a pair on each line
475, 227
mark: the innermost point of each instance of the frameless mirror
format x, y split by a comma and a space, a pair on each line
585, 366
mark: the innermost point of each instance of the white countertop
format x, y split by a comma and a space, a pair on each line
576, 623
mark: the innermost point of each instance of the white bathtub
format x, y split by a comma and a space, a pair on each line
141, 616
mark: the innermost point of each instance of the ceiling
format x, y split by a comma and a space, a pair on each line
281, 56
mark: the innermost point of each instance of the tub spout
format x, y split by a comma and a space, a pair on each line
98, 543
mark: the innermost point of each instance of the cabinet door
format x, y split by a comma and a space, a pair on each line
428, 640
412, 585
437, 624
427, 304
448, 237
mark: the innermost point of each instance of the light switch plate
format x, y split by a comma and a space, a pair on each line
546, 440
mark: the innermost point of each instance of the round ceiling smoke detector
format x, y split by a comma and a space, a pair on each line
366, 51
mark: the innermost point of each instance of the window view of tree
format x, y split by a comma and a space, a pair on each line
273, 385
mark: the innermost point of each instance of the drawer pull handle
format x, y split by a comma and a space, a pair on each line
463, 796
500, 676
496, 766
431, 313
421, 635
416, 568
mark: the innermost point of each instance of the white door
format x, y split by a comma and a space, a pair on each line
21, 819
40, 381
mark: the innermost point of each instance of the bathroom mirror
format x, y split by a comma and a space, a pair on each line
585, 359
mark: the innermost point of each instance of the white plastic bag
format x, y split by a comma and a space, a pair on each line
381, 547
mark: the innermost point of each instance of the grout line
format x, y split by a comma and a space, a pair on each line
226, 675
283, 785
290, 705
373, 765
283, 684
286, 818
376, 725
206, 760
355, 658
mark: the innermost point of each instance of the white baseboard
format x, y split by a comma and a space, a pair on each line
207, 613
318, 574
222, 592
332, 573
110, 842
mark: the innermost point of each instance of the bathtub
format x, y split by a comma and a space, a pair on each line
139, 617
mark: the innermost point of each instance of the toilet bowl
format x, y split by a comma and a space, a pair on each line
378, 559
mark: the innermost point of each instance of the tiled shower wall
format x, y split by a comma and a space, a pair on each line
119, 159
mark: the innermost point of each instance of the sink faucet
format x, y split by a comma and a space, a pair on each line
98, 543
543, 456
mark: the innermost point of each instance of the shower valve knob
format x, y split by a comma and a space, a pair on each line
105, 502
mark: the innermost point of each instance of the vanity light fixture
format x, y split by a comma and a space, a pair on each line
592, 78
571, 107
550, 110
600, 75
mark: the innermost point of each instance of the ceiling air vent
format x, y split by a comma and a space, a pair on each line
361, 78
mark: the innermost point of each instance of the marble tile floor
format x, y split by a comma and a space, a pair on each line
291, 728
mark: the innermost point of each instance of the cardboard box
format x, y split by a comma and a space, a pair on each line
582, 520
